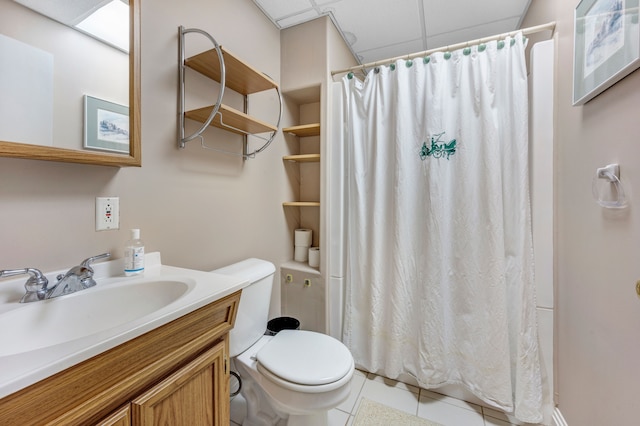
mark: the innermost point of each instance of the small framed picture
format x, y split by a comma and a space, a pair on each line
106, 126
606, 45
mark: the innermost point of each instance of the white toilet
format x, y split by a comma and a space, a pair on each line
292, 378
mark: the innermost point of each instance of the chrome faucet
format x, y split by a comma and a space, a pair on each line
77, 278
36, 285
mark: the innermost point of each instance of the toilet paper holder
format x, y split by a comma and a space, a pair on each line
611, 174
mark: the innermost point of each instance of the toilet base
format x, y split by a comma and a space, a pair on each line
261, 411
317, 419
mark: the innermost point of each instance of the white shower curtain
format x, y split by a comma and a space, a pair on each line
439, 280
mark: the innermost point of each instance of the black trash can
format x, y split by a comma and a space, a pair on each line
282, 323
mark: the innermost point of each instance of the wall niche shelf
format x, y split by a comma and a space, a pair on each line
301, 204
303, 158
303, 130
227, 69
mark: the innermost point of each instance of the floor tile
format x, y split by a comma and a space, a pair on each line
496, 414
338, 418
393, 383
448, 414
490, 413
491, 421
238, 409
391, 396
357, 382
428, 404
450, 400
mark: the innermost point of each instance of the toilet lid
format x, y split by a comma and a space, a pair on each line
306, 357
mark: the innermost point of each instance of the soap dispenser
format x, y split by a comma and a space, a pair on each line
134, 254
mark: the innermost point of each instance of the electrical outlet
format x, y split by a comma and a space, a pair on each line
107, 213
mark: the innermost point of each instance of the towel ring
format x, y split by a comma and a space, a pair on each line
611, 174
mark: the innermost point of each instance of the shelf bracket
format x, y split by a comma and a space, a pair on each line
182, 139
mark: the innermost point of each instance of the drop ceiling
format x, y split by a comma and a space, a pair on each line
381, 29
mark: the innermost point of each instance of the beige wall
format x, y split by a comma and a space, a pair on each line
598, 312
204, 210
199, 209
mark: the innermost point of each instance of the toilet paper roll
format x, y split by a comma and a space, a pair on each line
303, 237
314, 257
300, 253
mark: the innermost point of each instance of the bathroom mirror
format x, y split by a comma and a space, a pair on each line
57, 150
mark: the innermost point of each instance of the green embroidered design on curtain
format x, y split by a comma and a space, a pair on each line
439, 148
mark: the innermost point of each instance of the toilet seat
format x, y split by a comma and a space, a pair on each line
305, 361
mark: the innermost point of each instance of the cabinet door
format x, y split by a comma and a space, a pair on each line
122, 417
195, 395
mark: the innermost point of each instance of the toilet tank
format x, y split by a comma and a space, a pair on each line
253, 311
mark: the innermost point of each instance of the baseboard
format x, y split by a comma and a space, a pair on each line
558, 419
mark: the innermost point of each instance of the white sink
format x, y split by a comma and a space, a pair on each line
39, 339
50, 322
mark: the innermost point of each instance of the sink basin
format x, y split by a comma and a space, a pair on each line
40, 339
51, 322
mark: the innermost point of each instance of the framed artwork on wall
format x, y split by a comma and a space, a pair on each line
606, 45
106, 126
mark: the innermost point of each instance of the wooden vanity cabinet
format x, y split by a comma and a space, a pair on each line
177, 374
122, 417
197, 394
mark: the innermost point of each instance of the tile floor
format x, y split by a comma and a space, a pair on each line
421, 402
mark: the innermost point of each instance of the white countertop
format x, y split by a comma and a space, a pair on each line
20, 370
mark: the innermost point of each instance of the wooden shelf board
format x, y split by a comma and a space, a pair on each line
304, 130
231, 117
239, 76
301, 204
303, 158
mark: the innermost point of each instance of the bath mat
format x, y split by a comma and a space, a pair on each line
373, 414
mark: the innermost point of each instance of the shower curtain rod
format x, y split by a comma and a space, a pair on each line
525, 31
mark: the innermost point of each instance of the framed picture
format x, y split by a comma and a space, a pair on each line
106, 126
606, 45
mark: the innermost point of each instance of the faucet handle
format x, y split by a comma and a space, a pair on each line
85, 271
91, 259
36, 285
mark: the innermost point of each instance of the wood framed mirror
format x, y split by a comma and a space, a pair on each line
17, 149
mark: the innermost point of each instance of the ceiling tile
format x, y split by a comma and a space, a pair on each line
297, 19
445, 16
278, 9
470, 34
390, 51
381, 29
381, 24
